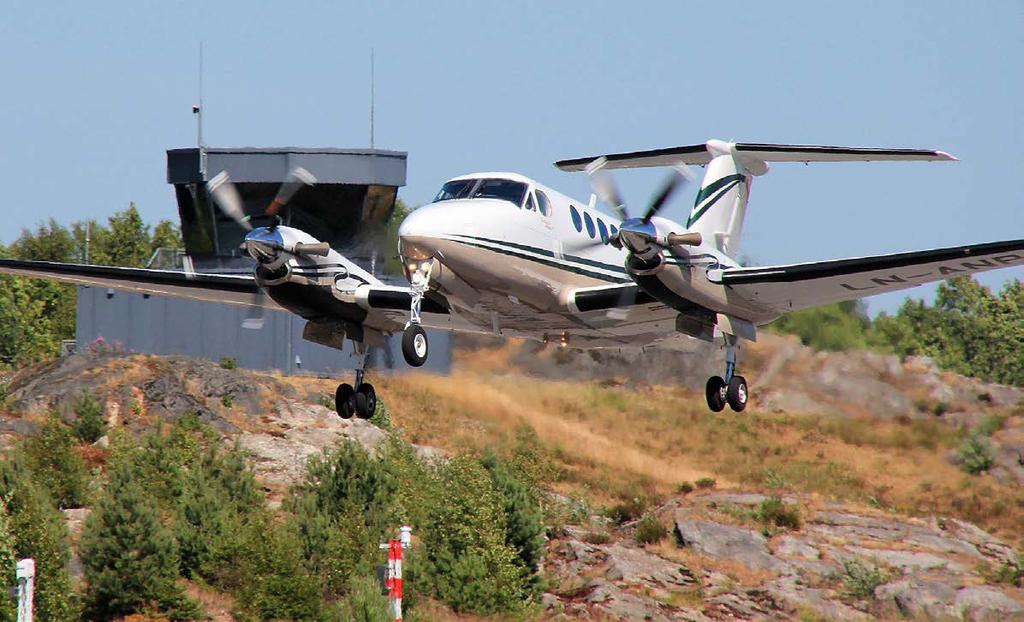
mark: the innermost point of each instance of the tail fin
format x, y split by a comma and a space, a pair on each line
721, 204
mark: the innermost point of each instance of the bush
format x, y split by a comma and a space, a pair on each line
860, 578
684, 488
228, 362
40, 533
773, 511
52, 459
524, 524
365, 602
705, 483
650, 530
628, 510
89, 424
976, 454
8, 560
130, 558
466, 559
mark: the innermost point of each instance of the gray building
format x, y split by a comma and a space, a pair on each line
349, 207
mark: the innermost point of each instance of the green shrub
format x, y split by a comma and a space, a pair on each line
40, 533
228, 362
130, 558
89, 424
627, 510
706, 483
976, 454
860, 578
991, 424
839, 326
52, 459
773, 511
524, 524
227, 401
381, 416
1004, 573
466, 561
365, 602
8, 560
684, 488
596, 537
649, 530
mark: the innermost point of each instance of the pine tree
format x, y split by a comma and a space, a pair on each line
130, 558
128, 243
8, 560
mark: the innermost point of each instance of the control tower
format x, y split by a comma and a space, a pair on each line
352, 200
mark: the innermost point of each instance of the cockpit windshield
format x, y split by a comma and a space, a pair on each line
458, 189
504, 189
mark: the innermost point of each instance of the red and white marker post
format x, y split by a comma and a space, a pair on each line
394, 580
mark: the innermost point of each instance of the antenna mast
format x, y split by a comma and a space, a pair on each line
371, 98
198, 110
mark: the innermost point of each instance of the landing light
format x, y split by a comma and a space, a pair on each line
564, 341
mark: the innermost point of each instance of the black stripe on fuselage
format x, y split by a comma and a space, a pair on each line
548, 260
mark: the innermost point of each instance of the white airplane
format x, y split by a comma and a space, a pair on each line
500, 253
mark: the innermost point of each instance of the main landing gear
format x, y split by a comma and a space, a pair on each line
732, 389
362, 400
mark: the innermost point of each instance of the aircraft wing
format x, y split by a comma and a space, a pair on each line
798, 286
224, 288
699, 155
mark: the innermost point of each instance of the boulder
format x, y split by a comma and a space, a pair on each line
745, 546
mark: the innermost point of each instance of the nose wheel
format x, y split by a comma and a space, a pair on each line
415, 347
732, 389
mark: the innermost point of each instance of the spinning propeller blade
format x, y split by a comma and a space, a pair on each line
226, 196
296, 180
605, 188
676, 180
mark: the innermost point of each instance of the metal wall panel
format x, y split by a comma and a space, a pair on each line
162, 325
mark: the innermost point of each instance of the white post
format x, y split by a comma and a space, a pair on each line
26, 574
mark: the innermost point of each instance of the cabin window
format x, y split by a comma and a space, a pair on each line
458, 189
602, 230
530, 204
590, 224
576, 220
543, 204
504, 189
613, 230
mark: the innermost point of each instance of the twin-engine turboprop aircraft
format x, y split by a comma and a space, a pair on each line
500, 253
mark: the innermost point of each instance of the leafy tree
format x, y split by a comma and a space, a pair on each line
957, 332
50, 242
392, 262
165, 235
130, 558
129, 243
840, 326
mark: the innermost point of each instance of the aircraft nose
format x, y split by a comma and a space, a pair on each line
418, 230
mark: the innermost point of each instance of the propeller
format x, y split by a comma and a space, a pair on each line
639, 229
226, 196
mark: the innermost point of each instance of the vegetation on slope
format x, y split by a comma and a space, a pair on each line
968, 330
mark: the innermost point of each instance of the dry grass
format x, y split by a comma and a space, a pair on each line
616, 442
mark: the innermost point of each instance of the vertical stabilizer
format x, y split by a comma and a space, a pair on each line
721, 204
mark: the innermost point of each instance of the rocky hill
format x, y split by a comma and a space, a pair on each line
839, 494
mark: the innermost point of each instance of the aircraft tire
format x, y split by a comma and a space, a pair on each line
736, 393
715, 391
414, 345
366, 401
344, 401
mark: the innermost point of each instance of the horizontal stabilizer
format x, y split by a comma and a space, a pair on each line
701, 154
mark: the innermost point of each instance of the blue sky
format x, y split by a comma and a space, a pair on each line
95, 92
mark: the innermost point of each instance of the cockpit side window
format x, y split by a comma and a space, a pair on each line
458, 189
543, 204
506, 189
530, 204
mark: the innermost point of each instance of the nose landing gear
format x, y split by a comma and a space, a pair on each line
732, 389
361, 400
415, 347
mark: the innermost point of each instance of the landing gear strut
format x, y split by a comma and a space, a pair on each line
362, 400
732, 389
415, 347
